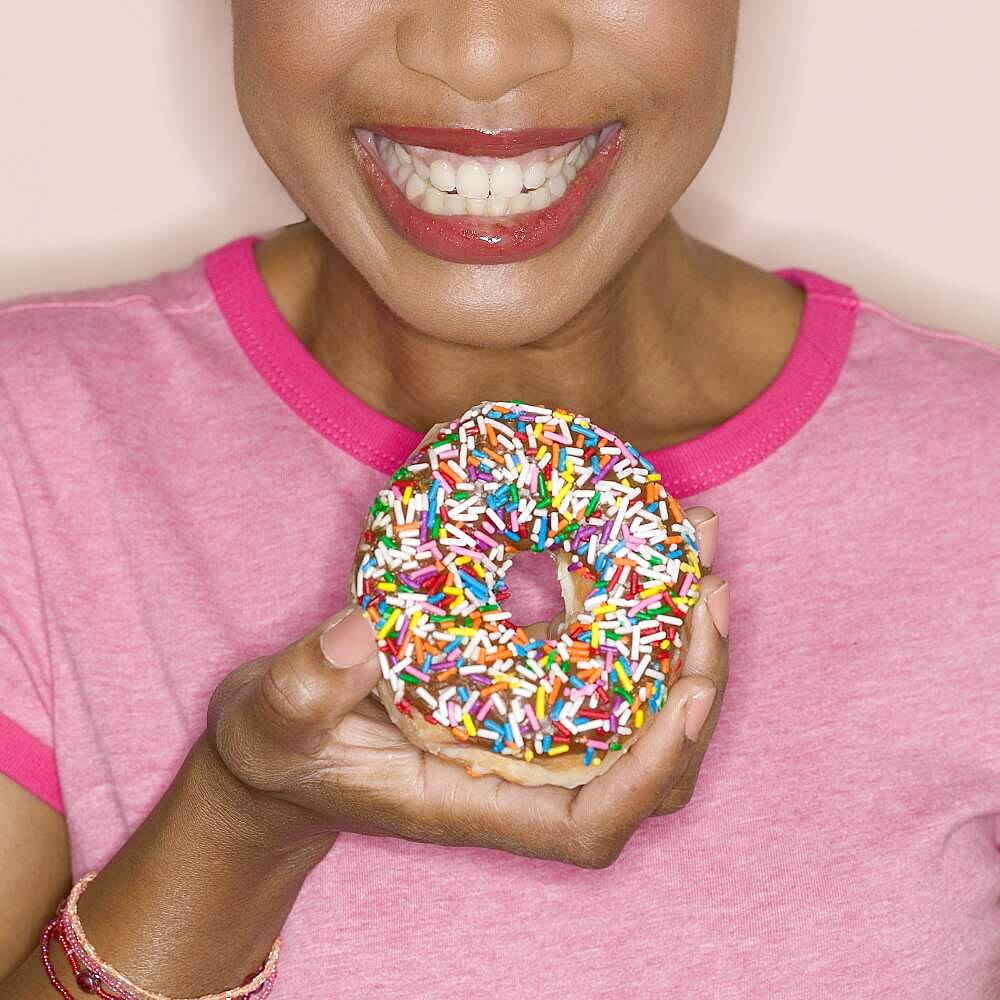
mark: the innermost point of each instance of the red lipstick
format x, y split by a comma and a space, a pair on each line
473, 239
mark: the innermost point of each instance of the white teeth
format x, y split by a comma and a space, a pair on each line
520, 203
490, 187
415, 187
442, 175
534, 176
433, 201
539, 198
497, 204
506, 178
471, 180
554, 167
454, 204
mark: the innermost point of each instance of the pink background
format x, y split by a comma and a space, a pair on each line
857, 145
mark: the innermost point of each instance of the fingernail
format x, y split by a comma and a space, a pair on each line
349, 641
696, 712
708, 537
718, 607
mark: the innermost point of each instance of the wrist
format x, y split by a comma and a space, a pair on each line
261, 828
210, 847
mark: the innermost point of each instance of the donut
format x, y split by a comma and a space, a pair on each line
458, 676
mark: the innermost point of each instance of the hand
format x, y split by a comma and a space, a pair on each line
301, 729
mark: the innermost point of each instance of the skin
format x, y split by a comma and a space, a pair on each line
293, 751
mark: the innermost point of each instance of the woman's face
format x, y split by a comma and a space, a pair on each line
311, 73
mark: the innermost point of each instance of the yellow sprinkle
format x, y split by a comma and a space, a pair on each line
455, 591
594, 636
649, 591
407, 493
387, 586
623, 678
479, 570
558, 749
640, 717
387, 627
603, 609
470, 726
459, 630
542, 452
687, 567
529, 755
653, 477
558, 498
462, 560
595, 761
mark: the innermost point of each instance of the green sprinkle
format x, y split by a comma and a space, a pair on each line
409, 678
614, 746
620, 690
592, 506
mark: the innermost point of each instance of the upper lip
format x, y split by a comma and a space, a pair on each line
473, 142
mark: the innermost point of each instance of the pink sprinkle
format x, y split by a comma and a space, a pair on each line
532, 718
453, 717
418, 673
597, 744
484, 710
642, 605
687, 583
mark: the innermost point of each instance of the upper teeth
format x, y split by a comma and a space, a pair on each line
445, 183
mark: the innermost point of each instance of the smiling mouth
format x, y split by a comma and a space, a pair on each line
447, 183
474, 197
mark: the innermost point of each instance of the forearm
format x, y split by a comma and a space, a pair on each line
192, 902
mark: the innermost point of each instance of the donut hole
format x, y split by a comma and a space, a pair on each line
534, 588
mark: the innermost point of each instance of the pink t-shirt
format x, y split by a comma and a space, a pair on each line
180, 491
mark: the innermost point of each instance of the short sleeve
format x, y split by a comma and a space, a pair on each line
27, 738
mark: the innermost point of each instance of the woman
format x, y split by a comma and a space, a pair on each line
186, 460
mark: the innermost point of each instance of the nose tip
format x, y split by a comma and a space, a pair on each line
483, 50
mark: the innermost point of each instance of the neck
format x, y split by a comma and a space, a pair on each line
659, 328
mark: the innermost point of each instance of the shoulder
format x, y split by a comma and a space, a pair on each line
921, 402
922, 359
59, 348
92, 321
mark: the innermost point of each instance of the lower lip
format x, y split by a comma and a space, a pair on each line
473, 239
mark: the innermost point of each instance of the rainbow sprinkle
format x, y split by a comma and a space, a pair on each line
501, 479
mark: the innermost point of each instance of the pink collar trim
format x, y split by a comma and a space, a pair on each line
746, 438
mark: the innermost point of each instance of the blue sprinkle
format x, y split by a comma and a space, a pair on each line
546, 743
588, 756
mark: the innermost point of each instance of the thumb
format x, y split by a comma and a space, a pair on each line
312, 684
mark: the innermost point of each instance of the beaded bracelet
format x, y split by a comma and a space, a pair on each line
94, 976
